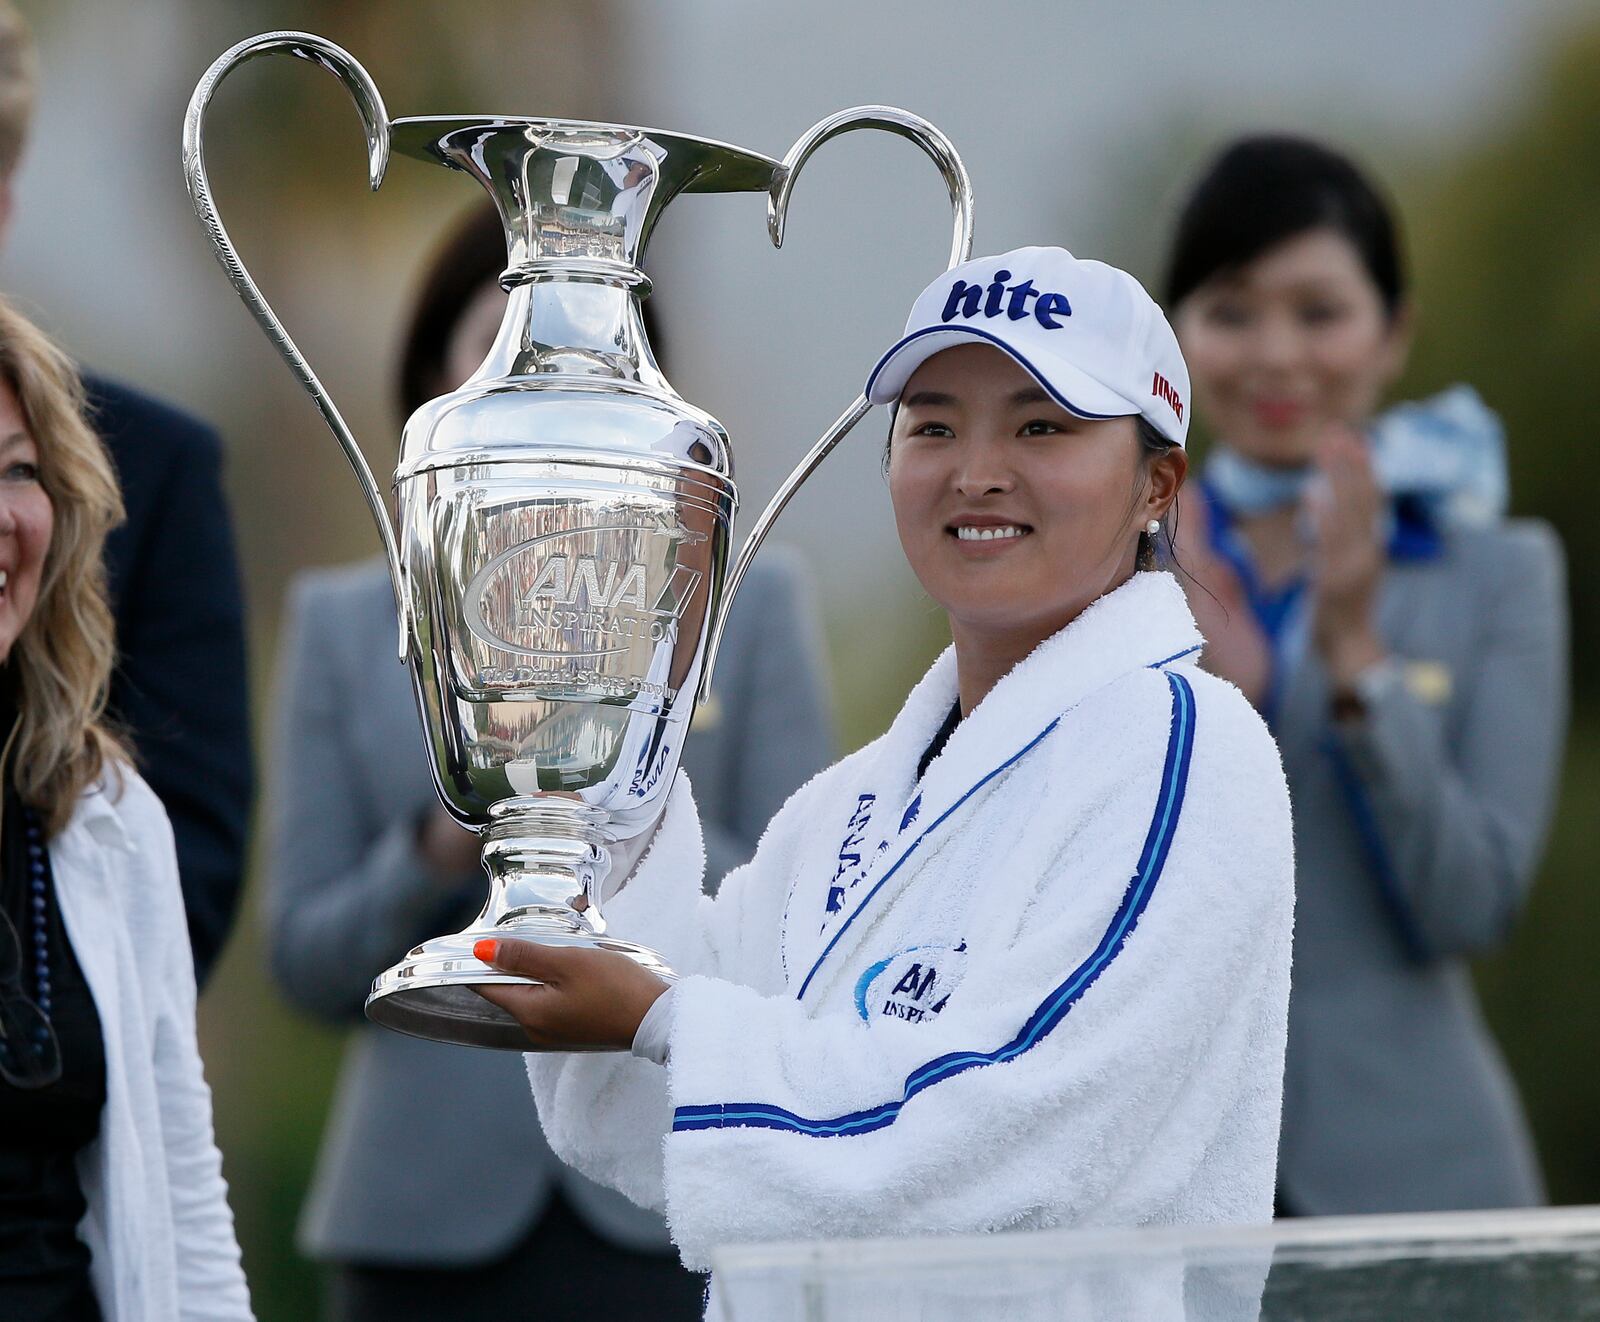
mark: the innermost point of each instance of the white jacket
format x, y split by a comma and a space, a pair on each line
1046, 986
158, 1224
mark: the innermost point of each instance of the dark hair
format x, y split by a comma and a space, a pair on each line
1262, 190
471, 255
1151, 554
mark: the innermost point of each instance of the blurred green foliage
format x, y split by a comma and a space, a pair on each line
1506, 248
1506, 245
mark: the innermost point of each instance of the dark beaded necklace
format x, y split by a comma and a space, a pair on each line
38, 895
39, 904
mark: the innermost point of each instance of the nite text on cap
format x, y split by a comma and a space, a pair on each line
968, 301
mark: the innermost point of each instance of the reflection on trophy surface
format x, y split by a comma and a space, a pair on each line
561, 562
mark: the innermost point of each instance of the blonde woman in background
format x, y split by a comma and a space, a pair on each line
112, 1203
178, 695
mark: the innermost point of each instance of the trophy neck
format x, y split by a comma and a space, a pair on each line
578, 201
577, 191
573, 320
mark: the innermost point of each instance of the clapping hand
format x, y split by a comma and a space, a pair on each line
1346, 559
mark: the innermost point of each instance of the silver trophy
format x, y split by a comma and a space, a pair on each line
560, 559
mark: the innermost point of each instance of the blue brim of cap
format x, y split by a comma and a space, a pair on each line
1073, 389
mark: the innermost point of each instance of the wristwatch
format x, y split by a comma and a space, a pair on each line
1352, 701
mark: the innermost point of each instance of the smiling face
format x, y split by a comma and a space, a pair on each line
1014, 513
1292, 343
26, 520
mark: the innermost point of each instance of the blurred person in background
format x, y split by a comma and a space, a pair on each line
436, 1195
179, 690
1355, 575
112, 1203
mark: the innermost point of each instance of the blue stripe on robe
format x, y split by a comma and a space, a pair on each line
1051, 1011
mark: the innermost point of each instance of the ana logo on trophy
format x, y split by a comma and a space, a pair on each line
587, 592
576, 581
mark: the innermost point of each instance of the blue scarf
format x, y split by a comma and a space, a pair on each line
1446, 454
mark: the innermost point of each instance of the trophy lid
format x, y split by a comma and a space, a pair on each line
571, 189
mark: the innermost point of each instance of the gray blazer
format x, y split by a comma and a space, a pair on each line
1417, 833
432, 1153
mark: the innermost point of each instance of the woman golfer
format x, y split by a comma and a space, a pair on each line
1024, 960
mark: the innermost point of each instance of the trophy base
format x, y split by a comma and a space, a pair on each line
429, 994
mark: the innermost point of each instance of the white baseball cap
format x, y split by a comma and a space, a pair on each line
1087, 332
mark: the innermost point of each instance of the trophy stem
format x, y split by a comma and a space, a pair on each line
545, 857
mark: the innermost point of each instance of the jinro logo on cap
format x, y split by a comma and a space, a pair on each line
1162, 389
969, 301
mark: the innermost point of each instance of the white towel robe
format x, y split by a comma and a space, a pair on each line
1053, 989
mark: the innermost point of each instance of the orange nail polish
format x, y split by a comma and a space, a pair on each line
485, 949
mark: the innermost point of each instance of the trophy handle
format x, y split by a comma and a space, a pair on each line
906, 125
375, 121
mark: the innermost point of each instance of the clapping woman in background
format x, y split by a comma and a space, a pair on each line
1355, 575
112, 1203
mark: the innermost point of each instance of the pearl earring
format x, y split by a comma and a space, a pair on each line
1153, 527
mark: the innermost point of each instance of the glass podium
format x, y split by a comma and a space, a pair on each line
1536, 1265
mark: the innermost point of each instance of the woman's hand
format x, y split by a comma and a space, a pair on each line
1346, 560
1236, 649
584, 998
